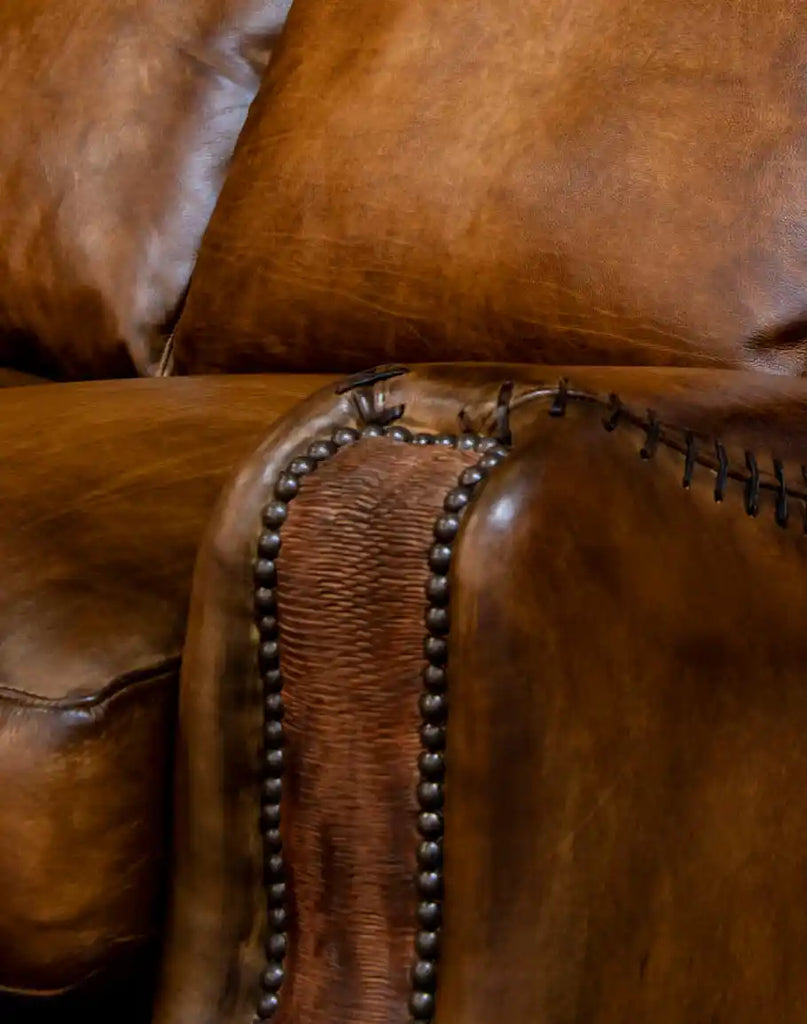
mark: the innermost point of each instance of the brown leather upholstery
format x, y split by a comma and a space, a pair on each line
572, 181
116, 124
625, 834
105, 490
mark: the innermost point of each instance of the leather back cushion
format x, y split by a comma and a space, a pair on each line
570, 181
117, 120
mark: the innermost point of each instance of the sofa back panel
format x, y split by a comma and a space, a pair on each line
574, 181
116, 124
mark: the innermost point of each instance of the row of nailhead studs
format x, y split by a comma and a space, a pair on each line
434, 712
433, 704
265, 576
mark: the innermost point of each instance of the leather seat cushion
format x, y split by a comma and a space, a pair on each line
117, 121
573, 181
105, 490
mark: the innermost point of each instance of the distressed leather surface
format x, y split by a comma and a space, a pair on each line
105, 489
594, 181
117, 121
624, 824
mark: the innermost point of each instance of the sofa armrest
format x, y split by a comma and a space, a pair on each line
609, 588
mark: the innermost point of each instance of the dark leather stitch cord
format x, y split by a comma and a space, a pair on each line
655, 434
369, 407
648, 449
782, 510
614, 413
752, 485
689, 459
368, 378
501, 431
558, 407
722, 472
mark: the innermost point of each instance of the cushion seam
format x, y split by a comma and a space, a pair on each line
119, 685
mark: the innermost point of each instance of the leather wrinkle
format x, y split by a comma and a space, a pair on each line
118, 123
89, 701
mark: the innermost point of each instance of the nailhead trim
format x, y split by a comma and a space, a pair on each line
433, 703
434, 713
273, 518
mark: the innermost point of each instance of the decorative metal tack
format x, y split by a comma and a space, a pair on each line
373, 430
269, 544
472, 476
457, 499
321, 451
345, 436
433, 701
398, 433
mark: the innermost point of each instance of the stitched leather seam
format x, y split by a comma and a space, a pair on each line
698, 450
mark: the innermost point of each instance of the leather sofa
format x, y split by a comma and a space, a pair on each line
242, 572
